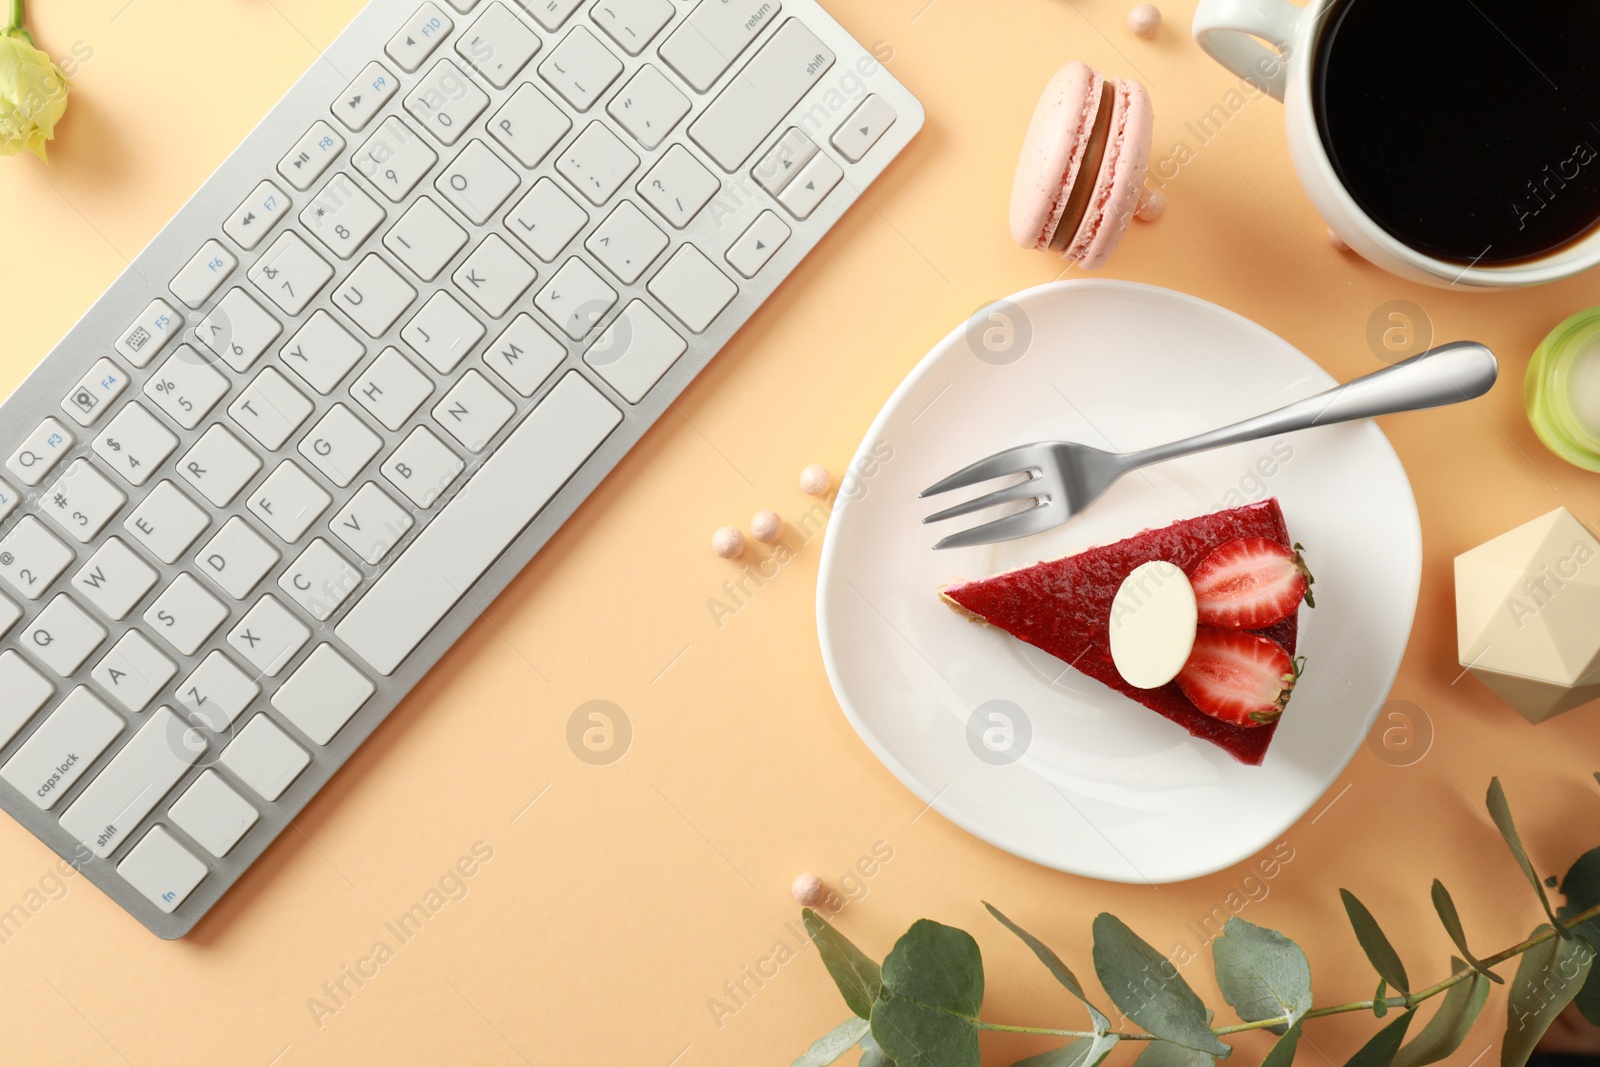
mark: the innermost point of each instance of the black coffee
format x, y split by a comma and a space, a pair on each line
1468, 129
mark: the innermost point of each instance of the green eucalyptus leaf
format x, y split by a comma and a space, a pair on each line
1446, 907
857, 977
1166, 1054
1548, 976
1374, 943
1581, 887
833, 1044
1380, 1051
1084, 1052
871, 1054
927, 1013
1055, 966
1500, 812
1451, 1023
1380, 1000
1263, 975
1282, 1053
1149, 989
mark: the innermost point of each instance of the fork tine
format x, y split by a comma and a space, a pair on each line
1023, 490
1036, 519
1012, 461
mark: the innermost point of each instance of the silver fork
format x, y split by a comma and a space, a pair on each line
1064, 478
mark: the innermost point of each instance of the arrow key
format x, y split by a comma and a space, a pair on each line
758, 244
863, 128
811, 186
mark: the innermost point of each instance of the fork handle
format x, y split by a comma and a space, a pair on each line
1449, 374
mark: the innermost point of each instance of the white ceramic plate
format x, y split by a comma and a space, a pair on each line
1008, 742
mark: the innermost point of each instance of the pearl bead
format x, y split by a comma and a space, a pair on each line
808, 890
728, 542
767, 526
1152, 205
1144, 20
815, 480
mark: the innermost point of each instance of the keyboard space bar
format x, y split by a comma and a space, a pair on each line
454, 550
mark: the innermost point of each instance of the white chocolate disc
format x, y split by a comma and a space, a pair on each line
1153, 619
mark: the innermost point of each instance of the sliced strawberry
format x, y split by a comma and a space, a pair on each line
1241, 678
1250, 583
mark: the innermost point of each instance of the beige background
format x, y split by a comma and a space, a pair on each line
617, 905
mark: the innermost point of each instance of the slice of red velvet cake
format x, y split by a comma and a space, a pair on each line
1064, 607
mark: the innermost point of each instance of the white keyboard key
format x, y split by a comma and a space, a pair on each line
422, 467
217, 693
61, 749
443, 332
576, 298
597, 162
133, 672
371, 524
31, 558
864, 127
374, 295
270, 409
323, 695
626, 243
134, 444
290, 273
778, 166
202, 275
322, 352
546, 220
632, 23
417, 39
8, 501
581, 68
758, 244
211, 813
265, 758
238, 329
759, 96
9, 614
342, 216
219, 466
26, 691
452, 552
525, 355
365, 97
63, 635
166, 522
162, 869
82, 501
425, 239
320, 581
261, 211
635, 351
808, 189
494, 276
550, 13
269, 637
446, 102
115, 579
288, 502
391, 389
150, 333
237, 558
395, 158
529, 125
477, 183
678, 186
498, 45
94, 393
692, 288
712, 37
649, 106
473, 412
311, 156
186, 387
133, 783
42, 450
340, 445
185, 615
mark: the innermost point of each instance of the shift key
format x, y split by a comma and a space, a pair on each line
761, 95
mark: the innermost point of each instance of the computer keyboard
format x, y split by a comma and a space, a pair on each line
365, 374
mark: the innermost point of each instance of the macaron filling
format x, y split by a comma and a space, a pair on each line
1103, 187
1081, 192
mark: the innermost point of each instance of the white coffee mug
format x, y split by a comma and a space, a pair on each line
1230, 31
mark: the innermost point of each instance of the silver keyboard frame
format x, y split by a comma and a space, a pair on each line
311, 98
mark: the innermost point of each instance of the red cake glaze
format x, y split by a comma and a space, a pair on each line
1064, 607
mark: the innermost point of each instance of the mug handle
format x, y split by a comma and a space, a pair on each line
1227, 31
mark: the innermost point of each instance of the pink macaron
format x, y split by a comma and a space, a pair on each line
1082, 166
